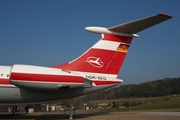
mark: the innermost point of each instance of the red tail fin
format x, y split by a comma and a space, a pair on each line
105, 57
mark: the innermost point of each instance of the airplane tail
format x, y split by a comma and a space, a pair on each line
107, 55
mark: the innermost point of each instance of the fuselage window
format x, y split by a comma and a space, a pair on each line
1, 75
7, 75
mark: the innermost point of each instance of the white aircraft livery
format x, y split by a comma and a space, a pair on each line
95, 70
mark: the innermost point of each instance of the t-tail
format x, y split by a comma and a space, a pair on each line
107, 55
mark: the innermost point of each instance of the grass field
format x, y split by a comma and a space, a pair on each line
131, 104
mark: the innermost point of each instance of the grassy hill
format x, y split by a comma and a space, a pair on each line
154, 88
129, 104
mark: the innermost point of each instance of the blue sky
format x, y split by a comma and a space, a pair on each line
50, 32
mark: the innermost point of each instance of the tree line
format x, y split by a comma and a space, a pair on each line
154, 88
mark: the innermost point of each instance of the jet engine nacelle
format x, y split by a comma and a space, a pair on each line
45, 78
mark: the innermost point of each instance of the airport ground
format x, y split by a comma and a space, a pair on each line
165, 114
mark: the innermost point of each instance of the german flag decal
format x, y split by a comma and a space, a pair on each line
123, 47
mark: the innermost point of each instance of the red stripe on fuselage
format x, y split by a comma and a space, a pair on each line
46, 78
56, 78
106, 82
4, 81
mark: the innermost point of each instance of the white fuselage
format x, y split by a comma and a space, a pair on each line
51, 88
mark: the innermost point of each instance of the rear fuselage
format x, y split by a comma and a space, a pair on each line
52, 85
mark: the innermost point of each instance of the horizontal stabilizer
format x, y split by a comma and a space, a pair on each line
130, 29
140, 24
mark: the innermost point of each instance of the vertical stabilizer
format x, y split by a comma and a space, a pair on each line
107, 55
